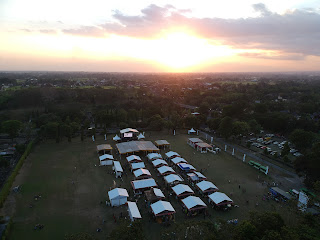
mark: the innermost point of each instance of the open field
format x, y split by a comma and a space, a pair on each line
73, 189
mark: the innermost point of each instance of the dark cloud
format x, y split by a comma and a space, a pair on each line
294, 32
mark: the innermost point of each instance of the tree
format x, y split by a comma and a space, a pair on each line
214, 123
11, 127
225, 128
302, 139
204, 108
286, 149
255, 127
240, 128
246, 231
156, 122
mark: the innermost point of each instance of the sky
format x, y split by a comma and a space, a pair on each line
160, 36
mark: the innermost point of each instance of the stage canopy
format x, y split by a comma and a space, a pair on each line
136, 146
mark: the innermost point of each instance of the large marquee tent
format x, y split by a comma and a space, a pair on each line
136, 146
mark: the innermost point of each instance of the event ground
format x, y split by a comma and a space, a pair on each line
73, 189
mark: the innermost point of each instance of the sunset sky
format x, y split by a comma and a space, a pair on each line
160, 36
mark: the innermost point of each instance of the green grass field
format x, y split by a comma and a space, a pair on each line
72, 188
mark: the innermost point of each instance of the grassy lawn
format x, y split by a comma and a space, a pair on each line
72, 188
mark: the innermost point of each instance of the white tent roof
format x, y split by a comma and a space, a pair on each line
161, 206
117, 166
141, 136
177, 160
106, 157
165, 169
219, 197
158, 192
116, 138
137, 165
173, 177
193, 201
128, 130
133, 157
133, 209
182, 188
117, 193
141, 171
145, 183
171, 154
205, 185
192, 130
186, 166
200, 175
154, 156
158, 162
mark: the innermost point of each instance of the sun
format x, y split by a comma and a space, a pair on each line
180, 51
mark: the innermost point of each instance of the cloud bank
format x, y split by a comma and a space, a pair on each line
295, 33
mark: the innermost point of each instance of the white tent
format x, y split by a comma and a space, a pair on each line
206, 187
182, 190
186, 167
164, 170
219, 198
196, 176
133, 211
116, 138
191, 131
118, 196
133, 158
159, 162
117, 168
178, 160
152, 156
158, 192
141, 136
193, 203
106, 159
172, 179
143, 184
172, 154
138, 165
141, 173
162, 208
129, 130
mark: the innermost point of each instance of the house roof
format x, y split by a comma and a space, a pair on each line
172, 178
128, 130
104, 147
171, 154
205, 185
161, 207
154, 156
161, 142
219, 197
133, 158
137, 165
145, 183
203, 145
117, 166
181, 189
158, 162
106, 157
133, 209
141, 171
195, 140
118, 193
193, 201
136, 146
177, 160
165, 169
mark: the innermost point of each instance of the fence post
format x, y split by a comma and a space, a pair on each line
225, 148
211, 139
244, 158
233, 152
